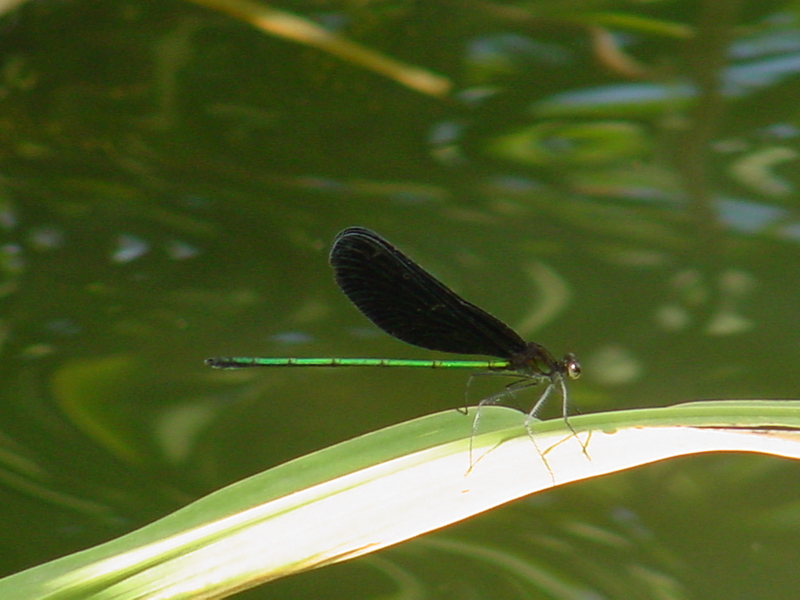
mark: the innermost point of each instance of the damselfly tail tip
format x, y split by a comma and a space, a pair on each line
219, 363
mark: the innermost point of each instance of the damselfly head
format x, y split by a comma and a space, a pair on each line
570, 366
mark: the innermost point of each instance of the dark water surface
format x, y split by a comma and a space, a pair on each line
172, 179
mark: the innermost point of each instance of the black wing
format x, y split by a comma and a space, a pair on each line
410, 304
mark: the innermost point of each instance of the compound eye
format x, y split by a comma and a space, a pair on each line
573, 366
